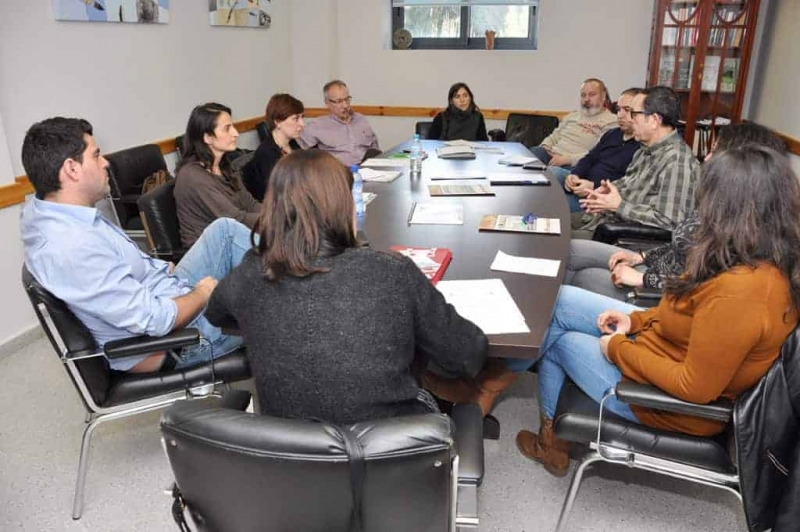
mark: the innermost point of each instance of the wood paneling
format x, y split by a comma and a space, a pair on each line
16, 192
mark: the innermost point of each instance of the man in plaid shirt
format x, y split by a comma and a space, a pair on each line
658, 188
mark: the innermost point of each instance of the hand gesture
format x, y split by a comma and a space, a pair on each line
613, 322
624, 275
558, 160
584, 188
624, 257
604, 198
571, 182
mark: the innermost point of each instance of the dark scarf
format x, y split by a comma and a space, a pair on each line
460, 124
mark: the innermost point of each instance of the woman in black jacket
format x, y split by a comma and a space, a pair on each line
285, 122
462, 120
336, 332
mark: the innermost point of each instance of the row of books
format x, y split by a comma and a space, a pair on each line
677, 73
719, 36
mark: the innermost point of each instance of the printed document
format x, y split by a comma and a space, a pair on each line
509, 263
436, 213
486, 303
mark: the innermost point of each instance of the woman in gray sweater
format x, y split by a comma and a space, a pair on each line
207, 186
336, 332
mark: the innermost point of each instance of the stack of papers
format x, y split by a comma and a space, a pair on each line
510, 263
475, 145
533, 178
518, 160
436, 213
486, 303
455, 152
463, 175
379, 176
383, 162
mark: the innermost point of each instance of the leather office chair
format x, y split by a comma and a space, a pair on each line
127, 171
530, 130
631, 235
108, 395
263, 132
712, 461
160, 220
243, 472
423, 129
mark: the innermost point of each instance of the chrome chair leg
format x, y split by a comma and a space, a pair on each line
590, 458
86, 440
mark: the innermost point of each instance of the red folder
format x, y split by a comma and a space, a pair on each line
432, 261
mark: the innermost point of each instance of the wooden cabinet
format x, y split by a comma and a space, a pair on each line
701, 48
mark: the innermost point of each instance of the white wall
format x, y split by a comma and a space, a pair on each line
576, 41
774, 101
135, 83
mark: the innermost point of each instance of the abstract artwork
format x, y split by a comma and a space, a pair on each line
142, 11
246, 13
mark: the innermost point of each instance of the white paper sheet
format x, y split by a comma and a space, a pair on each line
486, 303
379, 176
509, 263
380, 162
437, 213
368, 197
532, 177
475, 145
517, 160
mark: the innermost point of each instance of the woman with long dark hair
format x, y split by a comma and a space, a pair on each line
719, 326
462, 120
207, 186
333, 330
285, 123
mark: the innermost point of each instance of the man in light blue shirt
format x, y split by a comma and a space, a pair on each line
114, 288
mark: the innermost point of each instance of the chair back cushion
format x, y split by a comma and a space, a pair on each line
161, 216
77, 339
127, 171
423, 129
263, 132
530, 130
239, 471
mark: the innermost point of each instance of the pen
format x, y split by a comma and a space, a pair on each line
411, 212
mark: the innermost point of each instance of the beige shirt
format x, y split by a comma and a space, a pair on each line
578, 133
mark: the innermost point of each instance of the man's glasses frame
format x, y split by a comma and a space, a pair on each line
634, 113
341, 101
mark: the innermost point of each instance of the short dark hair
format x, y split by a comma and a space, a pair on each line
47, 145
633, 91
332, 83
280, 107
457, 87
307, 213
663, 101
202, 121
736, 135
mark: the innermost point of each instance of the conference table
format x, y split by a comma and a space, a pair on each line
386, 224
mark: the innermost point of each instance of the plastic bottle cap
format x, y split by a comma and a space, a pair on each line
354, 168
416, 136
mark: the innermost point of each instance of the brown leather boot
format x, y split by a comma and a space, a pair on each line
453, 390
492, 379
551, 451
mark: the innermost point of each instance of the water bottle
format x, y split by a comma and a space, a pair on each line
358, 190
416, 155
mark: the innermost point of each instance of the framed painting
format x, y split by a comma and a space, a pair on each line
141, 11
242, 13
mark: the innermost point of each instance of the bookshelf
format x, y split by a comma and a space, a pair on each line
701, 48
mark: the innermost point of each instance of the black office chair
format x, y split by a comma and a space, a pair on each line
714, 461
423, 129
631, 235
160, 221
248, 472
108, 395
530, 130
127, 171
263, 132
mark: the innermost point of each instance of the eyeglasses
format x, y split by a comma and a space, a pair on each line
634, 113
341, 101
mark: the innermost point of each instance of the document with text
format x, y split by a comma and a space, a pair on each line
509, 263
487, 303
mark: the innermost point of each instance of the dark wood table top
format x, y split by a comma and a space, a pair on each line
386, 224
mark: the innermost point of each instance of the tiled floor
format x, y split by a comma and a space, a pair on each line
41, 420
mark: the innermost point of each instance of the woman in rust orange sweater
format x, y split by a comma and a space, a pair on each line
720, 325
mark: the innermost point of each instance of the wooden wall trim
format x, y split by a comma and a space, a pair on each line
15, 193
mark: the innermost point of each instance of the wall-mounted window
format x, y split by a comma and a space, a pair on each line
462, 24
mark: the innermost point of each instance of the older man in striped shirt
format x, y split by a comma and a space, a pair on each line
658, 187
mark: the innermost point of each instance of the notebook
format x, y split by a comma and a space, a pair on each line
455, 152
431, 261
462, 188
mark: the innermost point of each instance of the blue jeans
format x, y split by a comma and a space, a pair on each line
571, 349
561, 173
218, 250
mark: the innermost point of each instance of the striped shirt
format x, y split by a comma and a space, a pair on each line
657, 189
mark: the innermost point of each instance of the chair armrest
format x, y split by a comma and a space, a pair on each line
468, 420
140, 345
649, 396
234, 400
647, 293
611, 233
